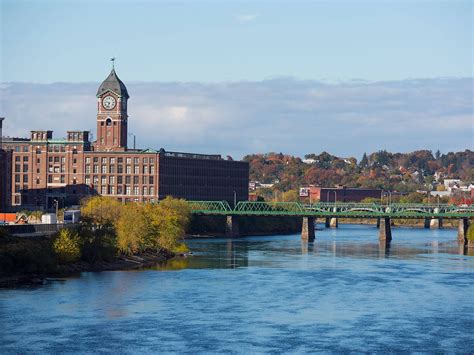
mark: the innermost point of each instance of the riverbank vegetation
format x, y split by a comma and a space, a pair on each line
109, 231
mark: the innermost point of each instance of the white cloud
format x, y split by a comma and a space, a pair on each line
246, 17
239, 118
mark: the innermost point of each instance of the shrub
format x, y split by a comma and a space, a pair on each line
67, 246
470, 233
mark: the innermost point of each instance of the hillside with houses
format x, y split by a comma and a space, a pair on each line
450, 175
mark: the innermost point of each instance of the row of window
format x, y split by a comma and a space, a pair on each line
120, 190
128, 169
120, 160
145, 180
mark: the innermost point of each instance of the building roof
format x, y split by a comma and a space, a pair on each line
114, 84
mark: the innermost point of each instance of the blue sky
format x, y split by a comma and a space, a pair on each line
72, 41
237, 78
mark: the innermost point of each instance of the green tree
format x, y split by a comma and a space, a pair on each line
67, 246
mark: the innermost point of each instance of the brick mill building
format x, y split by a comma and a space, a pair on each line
37, 171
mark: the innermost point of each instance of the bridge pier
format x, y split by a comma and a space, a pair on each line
385, 232
427, 223
334, 222
232, 227
462, 232
378, 222
436, 222
327, 222
307, 229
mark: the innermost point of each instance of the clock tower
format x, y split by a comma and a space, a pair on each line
112, 118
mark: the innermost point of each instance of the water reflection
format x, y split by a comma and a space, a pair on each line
344, 292
224, 253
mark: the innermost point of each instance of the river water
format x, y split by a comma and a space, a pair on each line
344, 292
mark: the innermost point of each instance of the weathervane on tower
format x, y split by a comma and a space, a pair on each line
113, 62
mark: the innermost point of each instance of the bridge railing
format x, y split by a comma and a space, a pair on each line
325, 208
209, 206
269, 207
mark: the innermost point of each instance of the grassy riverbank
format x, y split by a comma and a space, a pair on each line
111, 236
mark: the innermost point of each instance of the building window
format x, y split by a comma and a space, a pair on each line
88, 180
103, 190
88, 160
74, 171
119, 179
128, 169
88, 169
112, 169
103, 180
63, 149
25, 158
63, 179
151, 180
129, 160
112, 160
50, 159
74, 161
120, 169
112, 190
96, 169
152, 160
25, 168
145, 160
50, 179
17, 168
136, 169
25, 178
17, 178
119, 190
38, 151
145, 169
17, 158
104, 169
152, 190
25, 148
95, 179
112, 180
74, 151
120, 160
136, 160
104, 160
38, 161
128, 190
56, 169
96, 159
127, 179
152, 169
135, 180
136, 190
145, 190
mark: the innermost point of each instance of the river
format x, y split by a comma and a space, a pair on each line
344, 292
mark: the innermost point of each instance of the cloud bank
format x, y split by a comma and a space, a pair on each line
281, 115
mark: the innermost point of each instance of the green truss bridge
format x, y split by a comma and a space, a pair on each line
332, 211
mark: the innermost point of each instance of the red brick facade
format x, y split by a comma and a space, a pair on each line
342, 194
44, 169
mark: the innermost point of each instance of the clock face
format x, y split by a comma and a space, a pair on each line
108, 102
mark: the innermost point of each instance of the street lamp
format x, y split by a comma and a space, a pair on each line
56, 205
